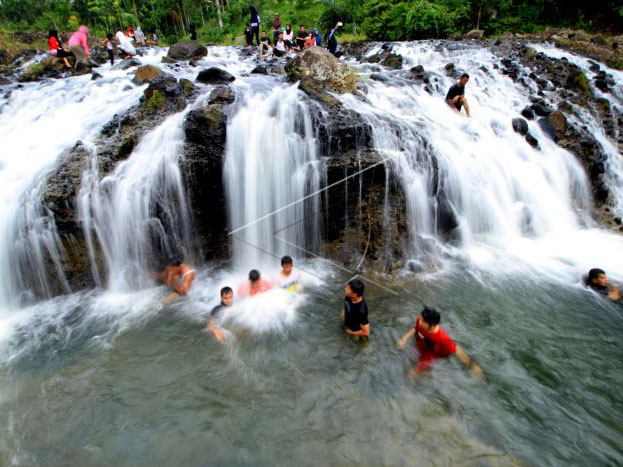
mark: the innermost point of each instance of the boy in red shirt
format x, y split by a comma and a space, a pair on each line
433, 342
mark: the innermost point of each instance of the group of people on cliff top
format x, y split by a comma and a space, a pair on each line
123, 44
283, 39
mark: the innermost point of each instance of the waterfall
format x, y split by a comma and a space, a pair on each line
471, 181
271, 162
139, 212
40, 122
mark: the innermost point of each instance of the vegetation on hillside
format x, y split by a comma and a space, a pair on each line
219, 21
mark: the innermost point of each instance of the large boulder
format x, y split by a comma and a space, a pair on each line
321, 66
558, 123
578, 82
221, 95
475, 34
187, 50
520, 126
598, 39
214, 75
392, 60
146, 74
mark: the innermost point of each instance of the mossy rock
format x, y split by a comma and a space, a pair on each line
154, 101
187, 86
578, 82
319, 65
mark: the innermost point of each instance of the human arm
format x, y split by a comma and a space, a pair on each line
364, 331
614, 293
474, 368
402, 343
466, 105
217, 332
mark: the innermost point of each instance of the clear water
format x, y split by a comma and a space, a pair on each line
112, 377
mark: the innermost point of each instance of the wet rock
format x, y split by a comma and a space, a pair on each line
475, 34
392, 60
95, 75
527, 113
558, 123
146, 74
380, 77
602, 85
168, 60
214, 75
541, 109
187, 50
260, 70
319, 65
532, 141
599, 40
128, 63
418, 74
221, 95
577, 81
520, 126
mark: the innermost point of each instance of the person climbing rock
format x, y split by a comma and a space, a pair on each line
355, 311
597, 281
79, 46
56, 49
227, 300
125, 47
254, 286
456, 95
434, 343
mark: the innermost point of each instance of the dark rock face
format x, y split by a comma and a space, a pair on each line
214, 76
128, 63
532, 141
187, 50
520, 126
527, 113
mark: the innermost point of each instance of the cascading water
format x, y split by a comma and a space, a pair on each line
39, 123
475, 177
271, 162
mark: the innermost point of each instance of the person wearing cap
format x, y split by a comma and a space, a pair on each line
276, 27
434, 343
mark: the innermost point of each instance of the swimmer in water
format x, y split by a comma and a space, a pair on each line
597, 281
289, 279
433, 343
355, 311
456, 96
255, 285
179, 276
227, 300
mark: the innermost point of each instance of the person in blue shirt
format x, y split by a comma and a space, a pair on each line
318, 37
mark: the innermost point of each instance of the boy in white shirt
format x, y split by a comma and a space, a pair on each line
289, 279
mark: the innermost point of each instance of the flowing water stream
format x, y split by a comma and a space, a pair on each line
111, 377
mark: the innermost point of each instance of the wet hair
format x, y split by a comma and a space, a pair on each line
175, 262
226, 290
286, 260
431, 316
53, 33
356, 286
263, 32
593, 274
464, 75
254, 275
109, 36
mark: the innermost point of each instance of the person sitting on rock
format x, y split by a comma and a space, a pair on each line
317, 37
456, 95
56, 49
254, 286
288, 37
597, 281
79, 46
300, 38
280, 48
310, 41
266, 44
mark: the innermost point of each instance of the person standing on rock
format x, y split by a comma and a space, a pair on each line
434, 343
248, 35
139, 36
456, 95
276, 28
227, 300
110, 48
79, 46
56, 50
255, 24
355, 311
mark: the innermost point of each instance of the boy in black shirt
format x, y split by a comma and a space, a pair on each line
456, 95
355, 312
300, 38
227, 299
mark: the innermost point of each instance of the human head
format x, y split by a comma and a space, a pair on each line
175, 262
263, 33
430, 317
276, 15
253, 10
464, 79
83, 29
288, 27
354, 288
227, 296
287, 264
109, 36
280, 36
598, 277
53, 33
302, 28
254, 275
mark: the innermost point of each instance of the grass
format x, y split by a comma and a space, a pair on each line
12, 46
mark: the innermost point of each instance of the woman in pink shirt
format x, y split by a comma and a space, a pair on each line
79, 45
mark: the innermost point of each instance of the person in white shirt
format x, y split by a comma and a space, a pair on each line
279, 50
289, 279
287, 37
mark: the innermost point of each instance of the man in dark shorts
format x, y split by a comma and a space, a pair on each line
227, 300
456, 96
355, 312
433, 343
